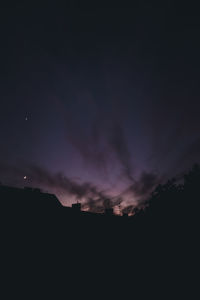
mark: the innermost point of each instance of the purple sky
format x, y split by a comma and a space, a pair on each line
99, 103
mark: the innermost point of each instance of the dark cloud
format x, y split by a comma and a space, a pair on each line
190, 155
102, 203
101, 141
93, 205
96, 206
142, 188
87, 140
118, 143
92, 198
145, 184
38, 176
128, 209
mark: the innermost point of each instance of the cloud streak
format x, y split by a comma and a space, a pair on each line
92, 197
118, 143
38, 176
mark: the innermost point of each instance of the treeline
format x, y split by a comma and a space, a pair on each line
176, 201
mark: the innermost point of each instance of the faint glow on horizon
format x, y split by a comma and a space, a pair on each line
117, 211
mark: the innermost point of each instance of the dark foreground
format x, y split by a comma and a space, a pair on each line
48, 251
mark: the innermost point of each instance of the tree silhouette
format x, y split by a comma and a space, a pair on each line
176, 203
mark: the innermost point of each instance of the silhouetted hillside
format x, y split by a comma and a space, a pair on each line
49, 245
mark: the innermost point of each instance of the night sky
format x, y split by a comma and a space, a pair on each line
99, 103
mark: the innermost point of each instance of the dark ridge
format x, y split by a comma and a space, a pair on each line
45, 245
